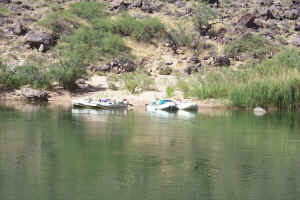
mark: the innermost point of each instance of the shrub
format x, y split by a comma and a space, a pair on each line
61, 22
140, 29
137, 81
88, 10
203, 14
68, 70
170, 91
252, 45
90, 43
30, 74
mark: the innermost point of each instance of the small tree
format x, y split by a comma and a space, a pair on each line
203, 14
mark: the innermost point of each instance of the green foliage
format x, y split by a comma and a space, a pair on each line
29, 74
112, 80
88, 10
61, 22
273, 82
252, 45
4, 10
68, 71
170, 91
137, 81
181, 36
140, 29
203, 14
90, 44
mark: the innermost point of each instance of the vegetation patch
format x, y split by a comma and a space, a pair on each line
143, 29
273, 82
251, 45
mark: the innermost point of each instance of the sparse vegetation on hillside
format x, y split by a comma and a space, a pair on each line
251, 45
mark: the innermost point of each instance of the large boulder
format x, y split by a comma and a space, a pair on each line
35, 95
40, 40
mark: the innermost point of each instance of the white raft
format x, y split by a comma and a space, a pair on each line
187, 106
166, 105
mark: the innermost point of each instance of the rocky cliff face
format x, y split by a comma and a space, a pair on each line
22, 38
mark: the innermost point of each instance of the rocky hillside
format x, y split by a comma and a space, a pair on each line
22, 38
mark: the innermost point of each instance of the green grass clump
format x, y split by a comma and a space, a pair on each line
273, 82
4, 10
139, 29
170, 91
137, 82
88, 10
252, 45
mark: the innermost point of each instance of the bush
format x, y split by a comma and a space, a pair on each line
61, 22
203, 14
252, 45
170, 91
140, 29
29, 74
90, 43
67, 71
88, 10
137, 81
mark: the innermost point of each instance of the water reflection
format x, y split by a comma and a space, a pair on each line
60, 154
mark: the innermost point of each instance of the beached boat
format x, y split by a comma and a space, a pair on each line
85, 103
167, 105
186, 106
106, 104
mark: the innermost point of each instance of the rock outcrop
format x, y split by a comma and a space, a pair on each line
35, 95
40, 40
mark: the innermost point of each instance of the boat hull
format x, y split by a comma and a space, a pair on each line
187, 106
169, 106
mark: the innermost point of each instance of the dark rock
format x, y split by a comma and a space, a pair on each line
36, 39
192, 69
19, 29
194, 60
82, 84
146, 5
120, 66
102, 68
119, 5
297, 27
35, 95
292, 14
222, 61
266, 3
248, 21
214, 2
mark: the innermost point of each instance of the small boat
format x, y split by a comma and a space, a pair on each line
84, 103
166, 105
106, 104
186, 106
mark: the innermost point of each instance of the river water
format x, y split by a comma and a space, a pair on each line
57, 154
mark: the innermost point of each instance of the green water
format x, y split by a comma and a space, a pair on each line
54, 154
